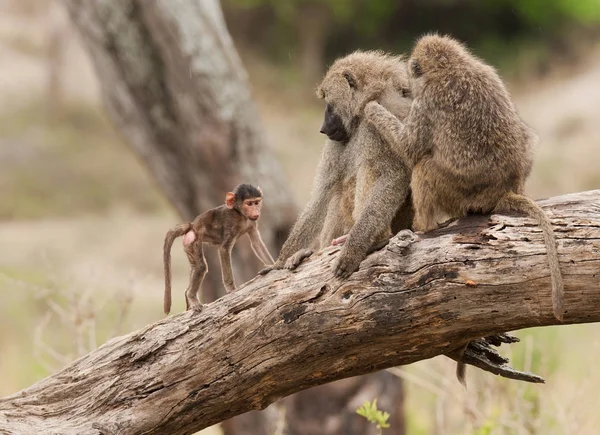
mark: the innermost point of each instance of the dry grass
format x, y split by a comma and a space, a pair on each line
89, 266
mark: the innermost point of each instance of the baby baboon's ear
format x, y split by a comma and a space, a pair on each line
230, 199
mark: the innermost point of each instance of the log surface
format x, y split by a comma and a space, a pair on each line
419, 297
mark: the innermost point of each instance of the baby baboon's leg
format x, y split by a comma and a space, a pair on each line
423, 195
226, 270
199, 268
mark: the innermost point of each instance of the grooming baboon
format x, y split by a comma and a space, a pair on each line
468, 148
220, 226
361, 186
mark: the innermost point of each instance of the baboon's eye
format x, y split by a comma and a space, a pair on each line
350, 80
416, 68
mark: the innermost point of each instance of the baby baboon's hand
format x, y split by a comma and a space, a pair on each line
347, 263
295, 260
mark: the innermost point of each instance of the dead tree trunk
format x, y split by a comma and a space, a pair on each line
417, 298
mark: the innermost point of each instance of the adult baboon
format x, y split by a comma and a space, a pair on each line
468, 148
361, 187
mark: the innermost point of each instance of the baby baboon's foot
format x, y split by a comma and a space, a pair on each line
193, 304
296, 260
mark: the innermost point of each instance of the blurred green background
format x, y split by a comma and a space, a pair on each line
82, 225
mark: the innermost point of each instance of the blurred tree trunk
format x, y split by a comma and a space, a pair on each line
174, 85
312, 22
331, 409
57, 39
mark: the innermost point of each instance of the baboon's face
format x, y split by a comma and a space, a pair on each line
333, 126
416, 76
340, 91
352, 82
432, 59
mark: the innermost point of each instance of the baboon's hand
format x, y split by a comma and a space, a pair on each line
373, 110
275, 266
295, 260
346, 263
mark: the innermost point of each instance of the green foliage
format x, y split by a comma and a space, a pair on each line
549, 13
370, 412
366, 15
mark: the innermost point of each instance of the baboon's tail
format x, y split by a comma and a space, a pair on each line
461, 373
514, 202
172, 234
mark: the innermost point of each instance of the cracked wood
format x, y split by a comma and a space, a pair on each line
419, 297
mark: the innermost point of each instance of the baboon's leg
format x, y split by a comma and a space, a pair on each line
226, 270
195, 255
423, 196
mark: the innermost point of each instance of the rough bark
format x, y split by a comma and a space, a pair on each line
419, 297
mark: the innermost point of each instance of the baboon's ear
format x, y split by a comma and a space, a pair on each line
230, 199
350, 79
260, 190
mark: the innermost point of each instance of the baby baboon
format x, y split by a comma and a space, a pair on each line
220, 226
468, 148
360, 184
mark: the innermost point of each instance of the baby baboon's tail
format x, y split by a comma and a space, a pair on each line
172, 234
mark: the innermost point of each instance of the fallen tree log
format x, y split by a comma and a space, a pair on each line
419, 297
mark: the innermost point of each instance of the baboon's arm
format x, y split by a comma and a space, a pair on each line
411, 139
258, 246
386, 196
226, 270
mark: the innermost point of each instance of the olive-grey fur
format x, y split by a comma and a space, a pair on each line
468, 147
362, 186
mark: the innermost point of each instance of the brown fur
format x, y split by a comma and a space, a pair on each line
360, 184
469, 149
220, 226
